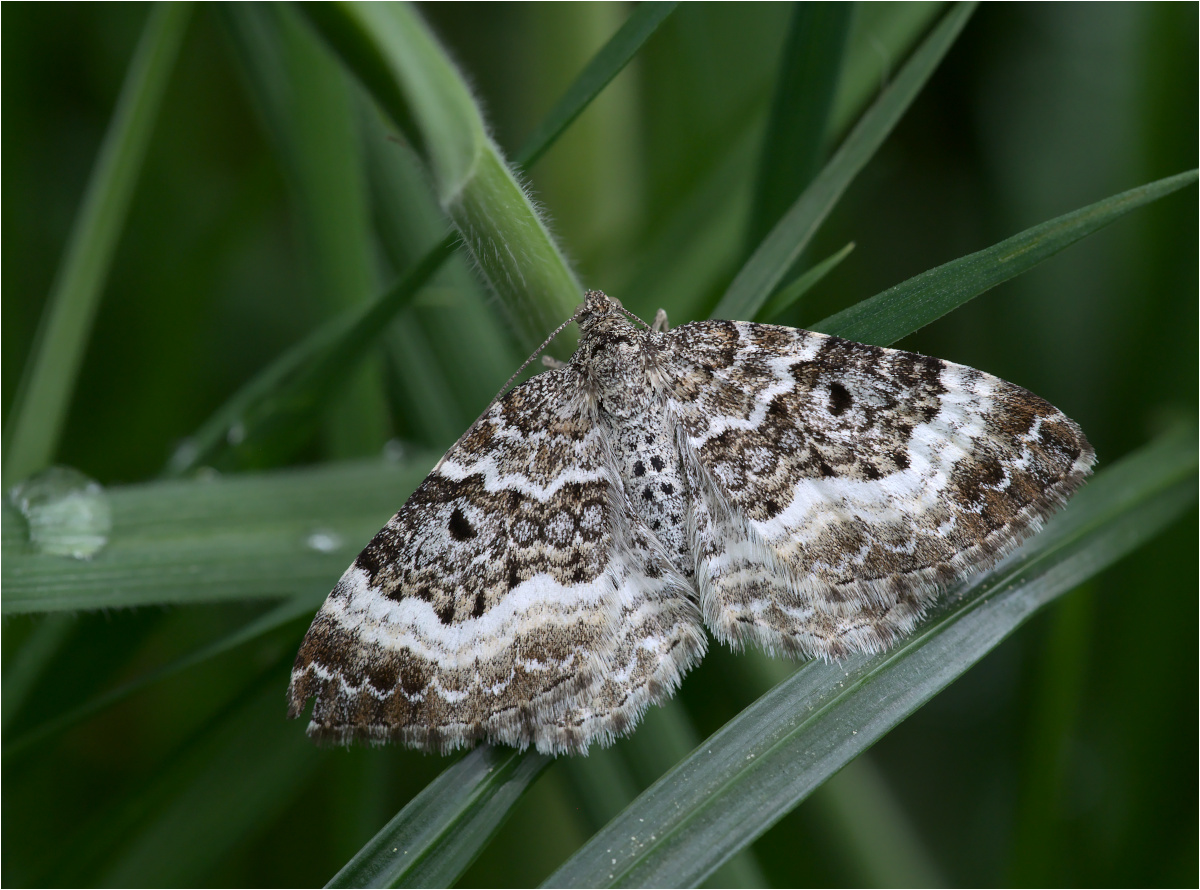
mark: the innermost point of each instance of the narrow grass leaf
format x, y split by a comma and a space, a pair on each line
769, 264
763, 763
805, 87
311, 116
912, 304
272, 412
440, 832
43, 395
281, 615
217, 793
599, 72
786, 296
265, 536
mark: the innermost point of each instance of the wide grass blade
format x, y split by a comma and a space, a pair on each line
39, 410
275, 535
398, 59
769, 264
912, 304
771, 757
440, 832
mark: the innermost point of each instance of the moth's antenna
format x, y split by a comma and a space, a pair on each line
558, 330
631, 315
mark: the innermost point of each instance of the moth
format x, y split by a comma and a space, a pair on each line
554, 574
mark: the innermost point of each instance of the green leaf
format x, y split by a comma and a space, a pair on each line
399, 61
808, 80
599, 72
786, 296
775, 753
280, 403
440, 832
912, 304
248, 537
768, 265
39, 411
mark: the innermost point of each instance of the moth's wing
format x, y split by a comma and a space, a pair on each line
837, 487
502, 598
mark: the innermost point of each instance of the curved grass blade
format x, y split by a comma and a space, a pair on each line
763, 763
40, 406
440, 832
782, 299
768, 265
886, 317
398, 58
281, 401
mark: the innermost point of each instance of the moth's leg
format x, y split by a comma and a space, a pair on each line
552, 363
660, 321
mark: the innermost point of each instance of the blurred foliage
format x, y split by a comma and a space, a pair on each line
1066, 757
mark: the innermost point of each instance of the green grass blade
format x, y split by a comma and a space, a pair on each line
786, 296
440, 832
604, 66
805, 88
776, 752
311, 117
274, 535
237, 775
281, 615
272, 411
39, 410
768, 265
912, 304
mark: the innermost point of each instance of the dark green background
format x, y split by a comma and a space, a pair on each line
1067, 757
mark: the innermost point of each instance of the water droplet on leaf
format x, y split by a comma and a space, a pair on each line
67, 512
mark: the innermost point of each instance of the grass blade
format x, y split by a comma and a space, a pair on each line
604, 66
44, 394
768, 265
912, 304
248, 537
440, 832
285, 612
764, 762
786, 296
805, 88
397, 57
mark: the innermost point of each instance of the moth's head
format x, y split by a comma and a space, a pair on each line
596, 305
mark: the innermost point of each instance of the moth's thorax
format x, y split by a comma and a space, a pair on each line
621, 365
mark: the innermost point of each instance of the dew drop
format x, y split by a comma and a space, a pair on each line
394, 451
68, 513
236, 434
324, 541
